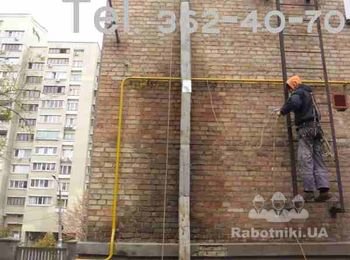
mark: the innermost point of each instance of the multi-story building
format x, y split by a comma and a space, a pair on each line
51, 137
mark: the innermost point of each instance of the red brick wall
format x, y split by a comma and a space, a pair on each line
227, 170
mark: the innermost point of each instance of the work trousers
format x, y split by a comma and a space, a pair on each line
310, 160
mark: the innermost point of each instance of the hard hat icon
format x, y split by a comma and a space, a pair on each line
278, 196
298, 198
258, 198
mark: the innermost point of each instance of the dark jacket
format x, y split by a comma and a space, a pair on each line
300, 102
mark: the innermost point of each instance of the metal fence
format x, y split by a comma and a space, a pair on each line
36, 253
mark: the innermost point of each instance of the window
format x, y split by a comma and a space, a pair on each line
59, 51
58, 61
3, 133
78, 52
27, 122
16, 201
18, 184
9, 61
50, 119
74, 90
57, 75
68, 135
65, 169
46, 150
72, 104
30, 107
31, 94
46, 167
40, 200
53, 89
77, 64
34, 80
20, 168
41, 183
23, 153
63, 202
67, 152
24, 137
71, 121
13, 34
47, 135
52, 103
12, 47
8, 75
64, 185
35, 66
76, 76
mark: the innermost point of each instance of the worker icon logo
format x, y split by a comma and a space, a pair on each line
258, 212
278, 213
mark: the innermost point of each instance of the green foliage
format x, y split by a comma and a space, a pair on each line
5, 114
47, 241
4, 232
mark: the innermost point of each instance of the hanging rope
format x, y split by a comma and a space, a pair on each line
167, 149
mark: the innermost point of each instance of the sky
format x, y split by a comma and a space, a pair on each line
57, 17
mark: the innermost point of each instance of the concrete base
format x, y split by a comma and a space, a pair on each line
334, 251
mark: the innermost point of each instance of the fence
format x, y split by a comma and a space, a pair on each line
35, 253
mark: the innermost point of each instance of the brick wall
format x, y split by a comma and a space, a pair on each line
227, 166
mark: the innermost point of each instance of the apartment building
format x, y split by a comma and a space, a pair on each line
49, 150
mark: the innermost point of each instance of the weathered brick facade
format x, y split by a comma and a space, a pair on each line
227, 168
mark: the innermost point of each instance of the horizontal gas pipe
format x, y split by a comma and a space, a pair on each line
120, 115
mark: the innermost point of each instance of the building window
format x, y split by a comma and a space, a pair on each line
8, 75
64, 185
50, 119
9, 61
58, 61
71, 121
35, 66
56, 75
47, 135
78, 52
68, 136
59, 51
77, 64
27, 122
16, 201
12, 47
63, 202
53, 89
23, 153
18, 184
24, 137
74, 90
67, 152
65, 169
46, 150
41, 183
13, 34
31, 94
20, 168
40, 200
34, 80
46, 167
72, 104
52, 103
76, 76
30, 107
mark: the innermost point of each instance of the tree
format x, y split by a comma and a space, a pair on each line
47, 241
75, 220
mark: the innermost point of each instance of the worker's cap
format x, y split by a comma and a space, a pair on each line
258, 198
278, 196
293, 82
298, 198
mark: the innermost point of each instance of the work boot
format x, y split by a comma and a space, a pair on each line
309, 196
323, 197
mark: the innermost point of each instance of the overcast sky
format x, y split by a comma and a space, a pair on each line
57, 17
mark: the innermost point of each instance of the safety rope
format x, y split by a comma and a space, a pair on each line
167, 147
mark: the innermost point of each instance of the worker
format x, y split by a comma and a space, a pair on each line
307, 121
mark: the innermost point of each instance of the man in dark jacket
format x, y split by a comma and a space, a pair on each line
310, 160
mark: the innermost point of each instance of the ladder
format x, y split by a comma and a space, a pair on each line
288, 70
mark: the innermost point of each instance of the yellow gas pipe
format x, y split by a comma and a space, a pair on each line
120, 115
